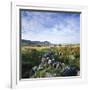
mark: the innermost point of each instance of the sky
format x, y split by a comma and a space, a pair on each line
55, 27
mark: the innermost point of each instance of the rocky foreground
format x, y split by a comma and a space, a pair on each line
49, 67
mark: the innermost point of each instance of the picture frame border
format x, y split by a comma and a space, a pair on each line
16, 82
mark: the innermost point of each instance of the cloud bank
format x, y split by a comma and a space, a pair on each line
55, 27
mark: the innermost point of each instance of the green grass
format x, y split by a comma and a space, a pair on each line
70, 55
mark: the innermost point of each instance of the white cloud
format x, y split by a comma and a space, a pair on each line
37, 28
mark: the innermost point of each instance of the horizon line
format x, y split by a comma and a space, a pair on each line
51, 42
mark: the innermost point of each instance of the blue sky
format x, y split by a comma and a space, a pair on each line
55, 27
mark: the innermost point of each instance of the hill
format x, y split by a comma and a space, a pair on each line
29, 42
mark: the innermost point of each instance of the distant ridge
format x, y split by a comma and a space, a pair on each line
29, 42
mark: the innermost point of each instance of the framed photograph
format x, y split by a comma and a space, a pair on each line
48, 44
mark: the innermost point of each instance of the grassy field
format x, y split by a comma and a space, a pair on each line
64, 55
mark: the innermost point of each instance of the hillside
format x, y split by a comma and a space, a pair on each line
29, 42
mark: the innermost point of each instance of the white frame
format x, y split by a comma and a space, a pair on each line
15, 82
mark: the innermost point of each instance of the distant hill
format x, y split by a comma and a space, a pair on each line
29, 42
